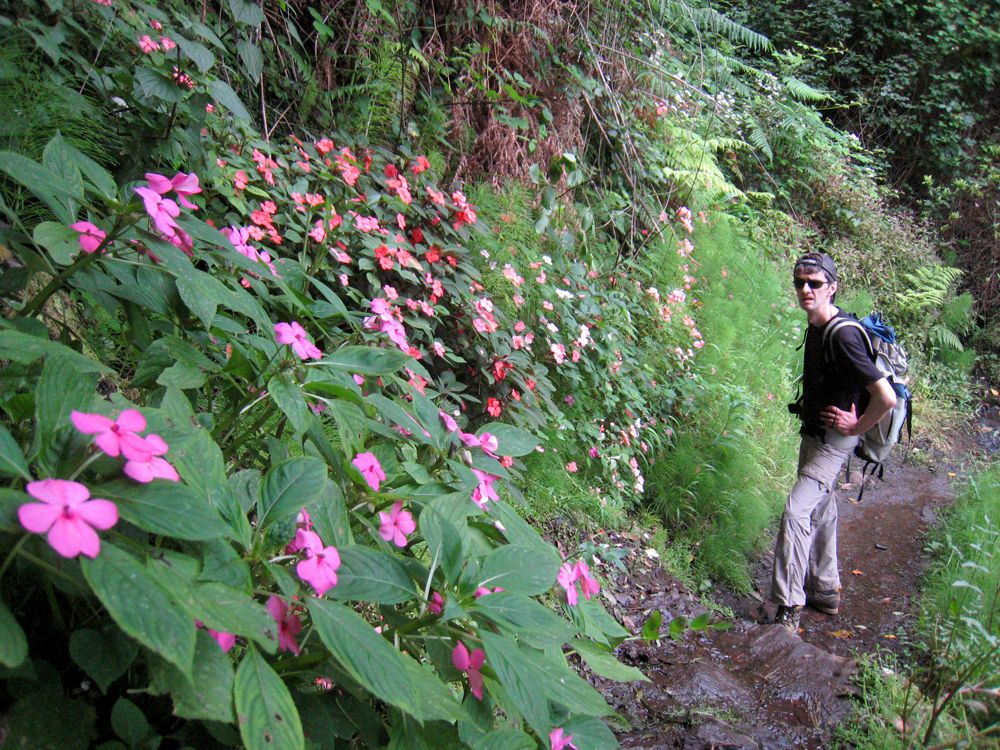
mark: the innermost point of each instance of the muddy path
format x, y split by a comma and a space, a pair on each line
755, 685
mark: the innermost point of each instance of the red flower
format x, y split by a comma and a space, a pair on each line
493, 407
433, 255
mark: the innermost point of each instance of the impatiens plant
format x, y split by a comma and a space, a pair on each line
245, 499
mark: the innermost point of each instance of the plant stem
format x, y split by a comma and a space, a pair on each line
13, 553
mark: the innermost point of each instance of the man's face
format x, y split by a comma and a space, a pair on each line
811, 298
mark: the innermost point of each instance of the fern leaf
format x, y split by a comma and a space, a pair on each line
803, 91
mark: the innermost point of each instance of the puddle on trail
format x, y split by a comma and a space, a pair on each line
756, 686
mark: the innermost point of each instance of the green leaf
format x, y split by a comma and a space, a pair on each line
506, 739
677, 627
700, 622
163, 507
151, 84
97, 175
368, 574
13, 644
58, 157
604, 663
202, 294
374, 664
532, 622
62, 242
522, 570
141, 606
129, 722
265, 710
104, 655
444, 543
209, 693
651, 628
288, 487
513, 441
45, 184
61, 389
24, 348
367, 360
182, 375
196, 52
223, 94
252, 59
289, 399
12, 461
246, 12
519, 680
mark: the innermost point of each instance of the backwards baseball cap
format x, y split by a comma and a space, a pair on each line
817, 262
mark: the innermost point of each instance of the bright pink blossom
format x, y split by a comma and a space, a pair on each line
571, 467
295, 336
148, 45
68, 515
484, 492
147, 465
493, 407
370, 469
567, 579
436, 605
161, 210
319, 569
114, 437
396, 525
225, 640
470, 664
588, 584
288, 624
91, 236
168, 43
559, 740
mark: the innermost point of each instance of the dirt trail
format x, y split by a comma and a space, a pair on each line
756, 686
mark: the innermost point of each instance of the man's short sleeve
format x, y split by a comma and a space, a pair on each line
850, 353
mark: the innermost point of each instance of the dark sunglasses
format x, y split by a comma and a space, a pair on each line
813, 283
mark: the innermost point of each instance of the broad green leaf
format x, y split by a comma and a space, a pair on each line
151, 84
97, 175
434, 700
57, 156
700, 622
518, 531
367, 360
46, 185
651, 628
61, 389
519, 680
12, 462
444, 543
289, 399
196, 52
252, 59
197, 458
103, 654
163, 507
512, 441
532, 622
141, 606
202, 294
522, 570
598, 624
223, 94
368, 574
62, 242
129, 722
590, 733
24, 348
506, 739
366, 656
265, 710
677, 627
45, 720
604, 663
182, 375
10, 501
393, 413
246, 12
288, 487
13, 644
209, 693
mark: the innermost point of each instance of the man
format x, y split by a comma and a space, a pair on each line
843, 394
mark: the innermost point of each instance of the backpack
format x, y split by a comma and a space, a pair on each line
890, 358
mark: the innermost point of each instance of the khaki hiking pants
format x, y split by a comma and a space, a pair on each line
805, 556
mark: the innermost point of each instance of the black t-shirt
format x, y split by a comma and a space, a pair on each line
838, 381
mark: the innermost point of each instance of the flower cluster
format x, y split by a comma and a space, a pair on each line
143, 456
568, 577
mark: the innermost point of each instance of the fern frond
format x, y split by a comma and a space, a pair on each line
930, 287
758, 138
803, 91
942, 337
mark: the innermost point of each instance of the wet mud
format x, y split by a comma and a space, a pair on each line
756, 686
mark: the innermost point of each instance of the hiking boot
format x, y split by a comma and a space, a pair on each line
827, 602
788, 618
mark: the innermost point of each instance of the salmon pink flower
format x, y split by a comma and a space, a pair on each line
558, 739
240, 180
470, 664
145, 466
168, 43
288, 624
319, 569
295, 336
148, 45
114, 437
420, 165
493, 407
370, 469
91, 236
396, 525
324, 146
69, 516
571, 467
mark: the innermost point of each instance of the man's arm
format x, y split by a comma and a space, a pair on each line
883, 398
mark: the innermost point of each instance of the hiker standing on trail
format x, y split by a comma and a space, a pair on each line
843, 394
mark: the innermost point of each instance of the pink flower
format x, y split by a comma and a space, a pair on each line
493, 407
436, 605
114, 437
593, 452
484, 492
318, 232
588, 584
319, 569
470, 664
324, 146
147, 44
420, 165
145, 466
240, 180
397, 524
161, 210
482, 591
449, 421
91, 236
295, 336
567, 579
186, 185
225, 640
571, 467
288, 624
489, 444
559, 740
168, 43
69, 516
370, 469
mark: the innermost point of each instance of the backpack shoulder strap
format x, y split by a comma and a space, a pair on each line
839, 323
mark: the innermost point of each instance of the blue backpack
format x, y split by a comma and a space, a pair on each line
891, 360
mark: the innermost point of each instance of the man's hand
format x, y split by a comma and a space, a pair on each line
842, 421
